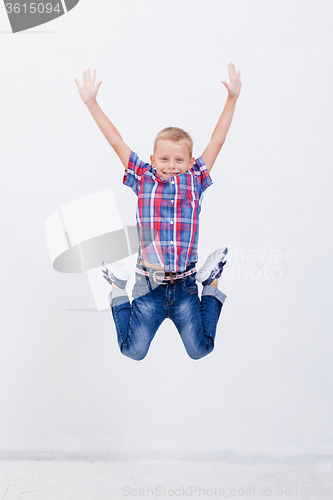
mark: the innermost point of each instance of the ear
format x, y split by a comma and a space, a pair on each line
192, 160
152, 161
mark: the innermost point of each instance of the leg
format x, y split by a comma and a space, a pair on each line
197, 321
136, 323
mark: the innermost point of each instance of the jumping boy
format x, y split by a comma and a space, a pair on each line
169, 194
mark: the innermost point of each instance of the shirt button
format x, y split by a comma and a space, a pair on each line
172, 182
171, 222
172, 201
171, 242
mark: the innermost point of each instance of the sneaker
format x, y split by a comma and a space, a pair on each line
213, 267
116, 273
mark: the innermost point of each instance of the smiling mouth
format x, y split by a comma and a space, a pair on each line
171, 173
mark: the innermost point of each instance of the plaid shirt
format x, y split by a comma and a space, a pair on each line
167, 213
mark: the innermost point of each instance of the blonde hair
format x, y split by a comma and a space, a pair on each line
174, 134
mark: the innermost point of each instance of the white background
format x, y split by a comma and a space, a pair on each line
64, 386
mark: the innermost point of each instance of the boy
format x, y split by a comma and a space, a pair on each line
169, 201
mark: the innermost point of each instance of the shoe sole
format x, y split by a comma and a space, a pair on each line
211, 262
119, 271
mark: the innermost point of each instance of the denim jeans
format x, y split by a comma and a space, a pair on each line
195, 319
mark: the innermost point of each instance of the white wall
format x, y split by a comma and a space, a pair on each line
64, 386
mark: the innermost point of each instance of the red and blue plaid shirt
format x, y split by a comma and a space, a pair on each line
168, 212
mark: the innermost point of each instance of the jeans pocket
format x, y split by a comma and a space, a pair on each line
141, 286
190, 284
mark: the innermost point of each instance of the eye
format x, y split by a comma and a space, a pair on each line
179, 160
163, 158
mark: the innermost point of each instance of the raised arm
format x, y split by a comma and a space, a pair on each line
220, 132
88, 92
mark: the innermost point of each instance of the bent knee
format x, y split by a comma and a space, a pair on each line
196, 354
135, 355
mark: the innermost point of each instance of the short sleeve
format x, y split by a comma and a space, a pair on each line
135, 170
201, 173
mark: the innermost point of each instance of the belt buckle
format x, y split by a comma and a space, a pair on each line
155, 278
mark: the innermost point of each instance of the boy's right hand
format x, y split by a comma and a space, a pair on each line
88, 90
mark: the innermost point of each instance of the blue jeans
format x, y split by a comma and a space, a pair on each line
137, 323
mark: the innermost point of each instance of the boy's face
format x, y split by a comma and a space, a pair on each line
171, 158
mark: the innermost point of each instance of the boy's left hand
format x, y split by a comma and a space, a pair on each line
88, 90
234, 86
